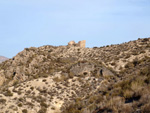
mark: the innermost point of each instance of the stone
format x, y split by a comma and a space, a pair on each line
71, 43
105, 72
81, 68
82, 43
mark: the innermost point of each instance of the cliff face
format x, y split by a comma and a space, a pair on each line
65, 78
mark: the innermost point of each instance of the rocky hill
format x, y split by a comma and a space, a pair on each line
75, 79
2, 59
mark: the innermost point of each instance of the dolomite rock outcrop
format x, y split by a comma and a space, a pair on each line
71, 43
79, 44
82, 43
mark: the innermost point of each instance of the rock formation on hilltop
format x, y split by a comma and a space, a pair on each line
75, 79
79, 44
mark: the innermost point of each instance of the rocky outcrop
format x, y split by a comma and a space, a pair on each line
51, 78
82, 43
71, 43
79, 44
82, 68
33, 62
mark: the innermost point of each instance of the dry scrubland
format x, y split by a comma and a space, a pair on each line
2, 59
72, 79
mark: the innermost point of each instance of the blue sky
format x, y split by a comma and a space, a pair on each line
28, 23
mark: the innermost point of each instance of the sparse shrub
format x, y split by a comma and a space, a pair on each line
2, 101
56, 79
92, 99
134, 52
20, 104
135, 62
128, 93
36, 76
15, 83
129, 65
142, 51
72, 109
116, 58
147, 80
53, 108
8, 93
45, 75
127, 109
92, 107
145, 40
116, 92
145, 71
24, 111
146, 108
42, 110
99, 99
14, 90
28, 92
43, 104
21, 99
19, 92
32, 88
44, 80
30, 104
127, 56
113, 63
71, 75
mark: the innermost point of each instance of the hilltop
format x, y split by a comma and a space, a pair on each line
75, 79
2, 59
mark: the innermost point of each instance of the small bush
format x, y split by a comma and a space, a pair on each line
146, 108
42, 110
128, 93
2, 101
24, 111
44, 80
31, 88
20, 104
8, 93
43, 104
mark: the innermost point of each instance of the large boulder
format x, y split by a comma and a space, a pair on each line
81, 68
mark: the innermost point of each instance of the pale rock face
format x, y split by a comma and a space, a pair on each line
82, 43
71, 43
79, 44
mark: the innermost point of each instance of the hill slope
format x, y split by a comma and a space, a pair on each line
73, 79
2, 59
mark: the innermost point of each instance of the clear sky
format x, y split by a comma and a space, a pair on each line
26, 23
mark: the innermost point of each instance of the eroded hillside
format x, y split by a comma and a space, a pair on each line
73, 79
2, 59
